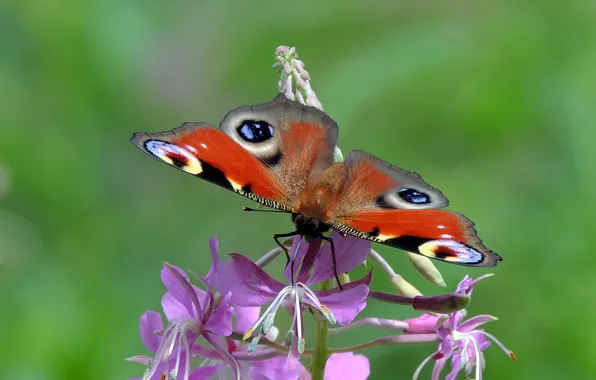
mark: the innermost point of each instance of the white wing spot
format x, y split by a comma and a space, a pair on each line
465, 254
235, 185
161, 149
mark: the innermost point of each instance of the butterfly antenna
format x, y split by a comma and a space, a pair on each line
253, 209
328, 239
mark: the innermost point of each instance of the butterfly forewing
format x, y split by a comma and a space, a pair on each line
210, 154
264, 152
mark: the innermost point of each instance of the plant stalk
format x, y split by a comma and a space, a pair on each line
321, 353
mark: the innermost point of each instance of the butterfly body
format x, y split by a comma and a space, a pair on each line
281, 154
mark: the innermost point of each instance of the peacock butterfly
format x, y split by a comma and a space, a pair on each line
281, 154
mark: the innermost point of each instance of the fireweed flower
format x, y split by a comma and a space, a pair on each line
270, 368
462, 342
213, 364
192, 313
251, 286
151, 327
175, 347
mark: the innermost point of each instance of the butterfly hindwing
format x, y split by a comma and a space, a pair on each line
395, 207
371, 183
438, 234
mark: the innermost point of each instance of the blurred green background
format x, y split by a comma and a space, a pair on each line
493, 102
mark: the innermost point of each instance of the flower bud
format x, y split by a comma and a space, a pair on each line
444, 304
426, 268
403, 287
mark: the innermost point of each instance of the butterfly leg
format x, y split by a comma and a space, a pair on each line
283, 247
328, 239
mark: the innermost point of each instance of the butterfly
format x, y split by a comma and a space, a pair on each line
281, 154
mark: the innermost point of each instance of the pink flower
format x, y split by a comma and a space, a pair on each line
251, 286
198, 326
169, 366
462, 342
192, 313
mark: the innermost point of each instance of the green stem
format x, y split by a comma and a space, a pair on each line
321, 350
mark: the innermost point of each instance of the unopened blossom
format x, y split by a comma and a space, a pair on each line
295, 80
461, 341
251, 286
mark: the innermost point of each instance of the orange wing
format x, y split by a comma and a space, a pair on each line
301, 141
391, 206
211, 154
265, 152
437, 234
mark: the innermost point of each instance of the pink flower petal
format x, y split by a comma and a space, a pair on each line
174, 310
424, 324
297, 253
215, 342
347, 366
249, 284
474, 322
203, 373
349, 253
211, 276
246, 317
180, 288
276, 368
350, 285
140, 359
220, 322
151, 323
293, 358
456, 367
467, 284
347, 304
438, 368
312, 253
